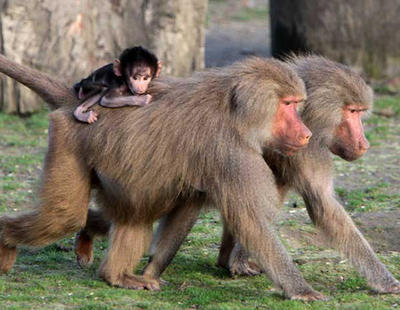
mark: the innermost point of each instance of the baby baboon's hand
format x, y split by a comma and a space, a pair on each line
148, 99
92, 117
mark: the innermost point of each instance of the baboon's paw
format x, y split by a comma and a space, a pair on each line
393, 288
139, 283
310, 296
84, 249
8, 256
244, 268
163, 282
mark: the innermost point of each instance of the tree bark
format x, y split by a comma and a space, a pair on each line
361, 33
72, 38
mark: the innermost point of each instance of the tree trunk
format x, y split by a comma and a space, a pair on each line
71, 39
361, 33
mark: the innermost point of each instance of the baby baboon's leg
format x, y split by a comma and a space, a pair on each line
331, 217
127, 244
95, 225
171, 232
61, 210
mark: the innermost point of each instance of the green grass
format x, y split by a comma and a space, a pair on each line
388, 102
368, 199
235, 11
49, 278
247, 14
378, 128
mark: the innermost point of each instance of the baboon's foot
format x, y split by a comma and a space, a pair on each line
244, 268
393, 289
8, 255
160, 281
163, 282
152, 272
135, 282
84, 249
310, 296
390, 288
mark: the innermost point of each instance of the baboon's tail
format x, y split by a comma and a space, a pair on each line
54, 92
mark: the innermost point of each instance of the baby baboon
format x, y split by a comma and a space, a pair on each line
200, 141
337, 100
123, 82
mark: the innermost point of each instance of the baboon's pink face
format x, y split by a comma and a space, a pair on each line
349, 141
289, 132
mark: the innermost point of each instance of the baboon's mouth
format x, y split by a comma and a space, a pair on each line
289, 149
293, 147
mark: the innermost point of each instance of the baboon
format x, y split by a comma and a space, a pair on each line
201, 141
337, 99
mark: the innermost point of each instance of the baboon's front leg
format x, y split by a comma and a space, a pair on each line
247, 209
332, 219
171, 232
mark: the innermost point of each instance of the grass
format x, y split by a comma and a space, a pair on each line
368, 199
233, 10
388, 102
49, 278
246, 14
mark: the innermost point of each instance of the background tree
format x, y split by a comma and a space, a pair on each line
70, 39
361, 33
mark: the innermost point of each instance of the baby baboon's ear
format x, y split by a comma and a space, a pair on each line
117, 67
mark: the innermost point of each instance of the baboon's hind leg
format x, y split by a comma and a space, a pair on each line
233, 257
61, 209
96, 224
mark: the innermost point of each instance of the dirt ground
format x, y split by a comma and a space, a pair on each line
236, 31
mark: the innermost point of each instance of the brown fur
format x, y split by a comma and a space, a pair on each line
51, 90
199, 141
330, 86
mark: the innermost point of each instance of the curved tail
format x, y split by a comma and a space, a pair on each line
54, 92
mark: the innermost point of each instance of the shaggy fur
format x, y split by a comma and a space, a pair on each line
200, 141
51, 90
330, 86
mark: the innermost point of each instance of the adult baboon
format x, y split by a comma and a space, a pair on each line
201, 140
337, 100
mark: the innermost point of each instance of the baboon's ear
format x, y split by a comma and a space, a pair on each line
234, 100
117, 67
